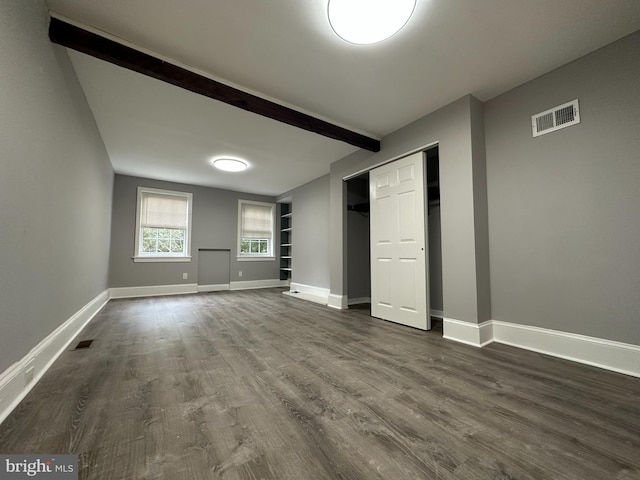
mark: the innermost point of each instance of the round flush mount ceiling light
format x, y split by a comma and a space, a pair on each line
369, 21
228, 164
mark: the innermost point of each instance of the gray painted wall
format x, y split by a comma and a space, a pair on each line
215, 225
451, 128
564, 208
480, 210
435, 259
310, 239
55, 186
338, 221
214, 267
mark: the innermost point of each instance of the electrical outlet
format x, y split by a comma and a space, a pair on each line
185, 276
240, 273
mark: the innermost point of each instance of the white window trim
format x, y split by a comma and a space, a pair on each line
256, 257
163, 258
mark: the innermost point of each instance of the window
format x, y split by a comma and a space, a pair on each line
163, 226
255, 230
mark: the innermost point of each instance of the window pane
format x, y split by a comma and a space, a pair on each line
177, 246
258, 246
149, 232
177, 234
163, 246
149, 245
164, 233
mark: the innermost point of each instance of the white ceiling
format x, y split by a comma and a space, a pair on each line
285, 50
156, 130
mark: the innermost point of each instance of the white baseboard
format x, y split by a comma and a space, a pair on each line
436, 313
306, 296
474, 334
153, 290
13, 385
598, 352
315, 294
251, 284
340, 302
213, 288
610, 355
359, 300
186, 288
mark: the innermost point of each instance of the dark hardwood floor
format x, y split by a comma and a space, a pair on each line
257, 385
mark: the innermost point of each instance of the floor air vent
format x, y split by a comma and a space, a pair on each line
83, 344
555, 118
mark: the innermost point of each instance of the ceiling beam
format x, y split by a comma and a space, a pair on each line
79, 39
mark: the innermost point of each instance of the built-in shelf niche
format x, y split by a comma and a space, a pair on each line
286, 234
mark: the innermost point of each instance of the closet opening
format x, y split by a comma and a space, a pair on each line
434, 229
358, 261
358, 248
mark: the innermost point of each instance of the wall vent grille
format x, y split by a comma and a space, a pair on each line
555, 118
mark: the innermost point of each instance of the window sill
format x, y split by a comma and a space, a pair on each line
256, 259
160, 259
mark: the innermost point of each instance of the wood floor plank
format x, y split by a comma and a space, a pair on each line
256, 385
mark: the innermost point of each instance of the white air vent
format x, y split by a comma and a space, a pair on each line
556, 118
